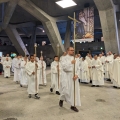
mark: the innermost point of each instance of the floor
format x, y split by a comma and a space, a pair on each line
101, 103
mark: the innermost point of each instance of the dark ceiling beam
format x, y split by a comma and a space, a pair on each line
2, 1
116, 2
27, 24
25, 32
61, 18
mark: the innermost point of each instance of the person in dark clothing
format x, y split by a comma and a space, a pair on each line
1, 67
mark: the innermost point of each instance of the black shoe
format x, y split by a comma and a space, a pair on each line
29, 96
20, 85
74, 109
114, 86
51, 90
6, 76
108, 80
85, 83
93, 86
36, 96
57, 93
61, 103
97, 86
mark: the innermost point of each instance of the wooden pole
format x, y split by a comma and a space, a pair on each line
58, 50
36, 84
25, 52
75, 21
74, 55
42, 68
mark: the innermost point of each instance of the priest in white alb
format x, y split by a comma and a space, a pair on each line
7, 66
67, 81
116, 72
42, 74
55, 68
17, 69
23, 76
33, 84
97, 72
108, 66
13, 63
84, 71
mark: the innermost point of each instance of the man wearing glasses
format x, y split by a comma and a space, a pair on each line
67, 81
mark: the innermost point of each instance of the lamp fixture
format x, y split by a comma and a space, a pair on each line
66, 3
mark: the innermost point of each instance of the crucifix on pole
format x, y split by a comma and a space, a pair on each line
75, 21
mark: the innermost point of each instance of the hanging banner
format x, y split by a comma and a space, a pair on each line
85, 29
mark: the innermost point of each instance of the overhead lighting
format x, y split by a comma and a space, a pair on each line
66, 3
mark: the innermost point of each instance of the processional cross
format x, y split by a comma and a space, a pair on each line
75, 21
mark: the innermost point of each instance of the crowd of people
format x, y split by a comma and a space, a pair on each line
66, 73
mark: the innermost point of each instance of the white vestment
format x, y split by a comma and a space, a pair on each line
116, 72
67, 82
84, 72
108, 67
90, 68
13, 64
87, 58
7, 65
2, 61
42, 73
17, 69
80, 60
23, 74
54, 75
33, 83
97, 73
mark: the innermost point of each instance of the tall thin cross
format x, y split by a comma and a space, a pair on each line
75, 21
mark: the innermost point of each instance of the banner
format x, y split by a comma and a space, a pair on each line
85, 29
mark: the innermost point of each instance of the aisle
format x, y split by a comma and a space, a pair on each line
97, 103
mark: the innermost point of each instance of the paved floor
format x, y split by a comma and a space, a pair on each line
97, 103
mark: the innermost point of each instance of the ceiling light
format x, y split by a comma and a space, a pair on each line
66, 3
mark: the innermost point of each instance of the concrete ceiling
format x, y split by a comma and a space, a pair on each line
21, 16
56, 10
51, 8
48, 6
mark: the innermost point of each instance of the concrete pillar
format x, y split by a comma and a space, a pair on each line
118, 25
16, 39
11, 5
32, 41
49, 23
107, 15
67, 35
3, 6
8, 12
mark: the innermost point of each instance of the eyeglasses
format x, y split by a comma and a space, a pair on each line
71, 50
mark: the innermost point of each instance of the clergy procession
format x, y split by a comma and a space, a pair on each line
67, 73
